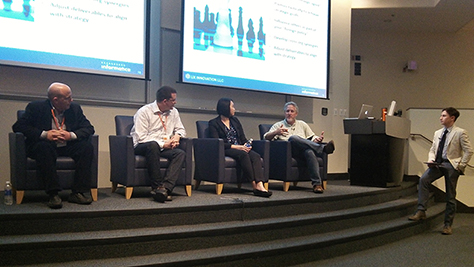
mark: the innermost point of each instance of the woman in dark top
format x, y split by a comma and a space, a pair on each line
228, 128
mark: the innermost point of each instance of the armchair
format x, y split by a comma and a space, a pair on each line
130, 170
284, 167
23, 168
212, 165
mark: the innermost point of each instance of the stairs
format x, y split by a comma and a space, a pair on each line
267, 232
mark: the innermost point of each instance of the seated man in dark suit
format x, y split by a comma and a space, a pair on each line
57, 127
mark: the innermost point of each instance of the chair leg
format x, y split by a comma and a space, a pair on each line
325, 185
94, 194
114, 186
19, 194
197, 183
239, 185
128, 192
295, 183
219, 188
265, 185
286, 186
188, 188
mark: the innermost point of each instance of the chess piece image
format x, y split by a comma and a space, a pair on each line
223, 37
240, 33
261, 38
250, 36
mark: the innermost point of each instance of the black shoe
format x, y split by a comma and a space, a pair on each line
55, 202
329, 147
160, 194
259, 193
79, 198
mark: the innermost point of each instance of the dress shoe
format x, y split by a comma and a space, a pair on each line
160, 194
418, 216
318, 189
329, 147
79, 198
169, 198
55, 202
447, 230
260, 193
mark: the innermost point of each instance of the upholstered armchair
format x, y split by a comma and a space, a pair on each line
23, 169
284, 167
212, 165
130, 170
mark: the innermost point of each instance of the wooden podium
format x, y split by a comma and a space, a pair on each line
377, 150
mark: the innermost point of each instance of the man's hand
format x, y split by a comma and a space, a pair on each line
172, 143
60, 136
320, 138
281, 131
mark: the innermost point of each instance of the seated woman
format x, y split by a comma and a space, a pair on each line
228, 128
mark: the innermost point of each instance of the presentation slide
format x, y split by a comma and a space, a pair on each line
94, 36
269, 45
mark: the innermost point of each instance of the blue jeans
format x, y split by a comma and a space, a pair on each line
451, 179
307, 150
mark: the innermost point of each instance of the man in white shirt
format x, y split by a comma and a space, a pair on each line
304, 143
449, 154
156, 133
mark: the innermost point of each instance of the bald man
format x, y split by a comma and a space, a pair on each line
57, 127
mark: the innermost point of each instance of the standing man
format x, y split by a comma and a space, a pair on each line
448, 157
58, 127
156, 132
304, 143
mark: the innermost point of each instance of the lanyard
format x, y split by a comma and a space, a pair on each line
163, 122
56, 121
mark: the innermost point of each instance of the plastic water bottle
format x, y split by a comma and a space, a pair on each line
8, 198
248, 143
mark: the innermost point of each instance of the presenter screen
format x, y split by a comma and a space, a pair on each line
275, 46
93, 36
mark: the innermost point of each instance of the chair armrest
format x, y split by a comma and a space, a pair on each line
280, 159
95, 162
122, 158
186, 144
209, 158
17, 159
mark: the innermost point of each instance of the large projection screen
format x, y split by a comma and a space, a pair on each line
275, 46
91, 36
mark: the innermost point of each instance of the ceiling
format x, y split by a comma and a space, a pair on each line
413, 15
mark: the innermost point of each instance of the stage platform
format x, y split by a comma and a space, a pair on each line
232, 229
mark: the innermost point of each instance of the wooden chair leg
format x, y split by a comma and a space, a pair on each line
188, 188
128, 192
114, 187
325, 185
295, 183
197, 183
219, 188
19, 194
265, 185
286, 186
239, 185
94, 194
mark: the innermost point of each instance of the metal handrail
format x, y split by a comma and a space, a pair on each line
414, 135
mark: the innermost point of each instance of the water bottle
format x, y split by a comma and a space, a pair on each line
8, 198
248, 143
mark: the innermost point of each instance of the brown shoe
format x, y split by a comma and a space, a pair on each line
418, 216
318, 189
447, 230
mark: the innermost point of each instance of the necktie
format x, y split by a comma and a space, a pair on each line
439, 152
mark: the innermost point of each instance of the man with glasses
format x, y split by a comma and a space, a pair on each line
57, 127
156, 133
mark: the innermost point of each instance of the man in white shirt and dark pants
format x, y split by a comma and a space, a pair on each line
156, 133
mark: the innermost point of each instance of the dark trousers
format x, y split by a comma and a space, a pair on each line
46, 153
152, 152
251, 163
307, 150
451, 180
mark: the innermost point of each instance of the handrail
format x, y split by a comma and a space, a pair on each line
414, 135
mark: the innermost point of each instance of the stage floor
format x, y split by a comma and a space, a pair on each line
35, 201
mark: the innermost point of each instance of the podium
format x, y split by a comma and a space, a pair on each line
377, 155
